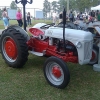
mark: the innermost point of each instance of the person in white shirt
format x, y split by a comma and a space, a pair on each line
54, 17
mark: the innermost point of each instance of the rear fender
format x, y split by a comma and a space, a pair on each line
22, 31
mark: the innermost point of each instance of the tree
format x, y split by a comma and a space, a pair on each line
62, 3
79, 5
82, 4
54, 6
13, 5
0, 13
49, 8
46, 8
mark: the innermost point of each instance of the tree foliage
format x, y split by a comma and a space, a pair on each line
13, 5
62, 3
0, 13
46, 8
80, 5
55, 6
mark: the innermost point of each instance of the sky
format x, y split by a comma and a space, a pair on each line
35, 4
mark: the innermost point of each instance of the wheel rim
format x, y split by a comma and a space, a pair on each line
9, 49
94, 58
54, 73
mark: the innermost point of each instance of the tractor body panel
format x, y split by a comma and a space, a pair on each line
77, 37
80, 39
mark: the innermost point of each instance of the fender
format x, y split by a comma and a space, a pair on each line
22, 31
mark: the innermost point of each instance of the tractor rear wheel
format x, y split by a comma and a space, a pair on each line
14, 49
56, 72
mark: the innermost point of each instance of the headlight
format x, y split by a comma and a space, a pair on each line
78, 44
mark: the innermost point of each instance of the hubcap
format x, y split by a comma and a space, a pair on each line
10, 48
56, 71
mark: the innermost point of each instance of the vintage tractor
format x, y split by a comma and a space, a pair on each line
47, 40
58, 44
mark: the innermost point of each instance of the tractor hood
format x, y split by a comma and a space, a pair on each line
70, 34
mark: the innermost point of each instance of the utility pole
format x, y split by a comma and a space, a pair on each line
67, 6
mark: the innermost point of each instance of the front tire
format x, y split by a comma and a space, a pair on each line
14, 49
56, 72
95, 53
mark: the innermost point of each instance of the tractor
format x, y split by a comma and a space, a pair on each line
47, 40
59, 45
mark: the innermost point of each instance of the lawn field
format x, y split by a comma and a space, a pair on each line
14, 22
28, 83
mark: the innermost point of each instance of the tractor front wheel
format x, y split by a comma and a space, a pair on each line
95, 52
56, 72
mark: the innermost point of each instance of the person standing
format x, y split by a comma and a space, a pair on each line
80, 16
98, 16
71, 16
60, 17
92, 14
19, 18
28, 19
97, 12
5, 18
54, 17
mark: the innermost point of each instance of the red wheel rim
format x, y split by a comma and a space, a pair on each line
10, 48
56, 72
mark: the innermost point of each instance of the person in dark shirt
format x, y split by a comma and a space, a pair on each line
60, 17
92, 14
71, 16
28, 19
80, 16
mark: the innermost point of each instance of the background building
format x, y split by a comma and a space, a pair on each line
39, 14
12, 13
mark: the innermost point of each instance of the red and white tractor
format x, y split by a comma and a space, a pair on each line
47, 40
59, 44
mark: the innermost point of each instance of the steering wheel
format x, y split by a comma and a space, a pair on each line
47, 26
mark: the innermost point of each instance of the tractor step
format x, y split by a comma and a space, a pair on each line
36, 53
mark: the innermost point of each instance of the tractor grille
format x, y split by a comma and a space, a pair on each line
88, 50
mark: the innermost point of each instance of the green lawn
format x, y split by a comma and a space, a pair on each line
13, 22
28, 83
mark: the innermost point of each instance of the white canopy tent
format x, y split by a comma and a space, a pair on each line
96, 8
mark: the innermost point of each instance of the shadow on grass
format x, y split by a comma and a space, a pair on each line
35, 61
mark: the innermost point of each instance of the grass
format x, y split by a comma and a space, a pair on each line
13, 22
28, 83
